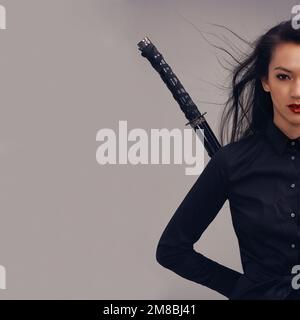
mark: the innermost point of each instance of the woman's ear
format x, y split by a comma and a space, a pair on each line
265, 84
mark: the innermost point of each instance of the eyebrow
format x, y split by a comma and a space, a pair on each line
282, 68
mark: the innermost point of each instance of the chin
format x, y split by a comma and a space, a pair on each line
295, 120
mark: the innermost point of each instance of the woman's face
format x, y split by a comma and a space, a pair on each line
283, 83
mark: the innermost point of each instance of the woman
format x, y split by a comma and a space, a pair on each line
258, 172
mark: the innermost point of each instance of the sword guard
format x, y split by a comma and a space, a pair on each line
197, 120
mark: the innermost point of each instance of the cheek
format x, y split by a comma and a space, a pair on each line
279, 91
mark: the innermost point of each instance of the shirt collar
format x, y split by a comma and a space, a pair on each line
278, 139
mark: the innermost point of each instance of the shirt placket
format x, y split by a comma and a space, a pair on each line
294, 215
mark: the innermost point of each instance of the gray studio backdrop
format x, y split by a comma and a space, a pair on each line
71, 228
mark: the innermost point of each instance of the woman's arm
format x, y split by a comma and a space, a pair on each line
200, 206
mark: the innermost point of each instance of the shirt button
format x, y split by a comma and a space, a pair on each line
293, 157
293, 143
293, 245
293, 215
293, 185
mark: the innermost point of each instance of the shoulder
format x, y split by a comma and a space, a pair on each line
241, 152
244, 143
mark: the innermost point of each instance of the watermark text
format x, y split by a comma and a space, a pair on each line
2, 278
156, 149
296, 19
2, 17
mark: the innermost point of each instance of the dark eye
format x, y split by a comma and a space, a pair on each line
282, 76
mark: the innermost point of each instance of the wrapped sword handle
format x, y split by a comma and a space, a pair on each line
188, 107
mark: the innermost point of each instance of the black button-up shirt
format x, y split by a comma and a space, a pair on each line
260, 177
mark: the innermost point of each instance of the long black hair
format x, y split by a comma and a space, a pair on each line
249, 106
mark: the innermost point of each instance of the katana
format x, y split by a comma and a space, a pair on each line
196, 120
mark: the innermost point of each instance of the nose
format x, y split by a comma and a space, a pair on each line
295, 90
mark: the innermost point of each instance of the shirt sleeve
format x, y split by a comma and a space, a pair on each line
200, 206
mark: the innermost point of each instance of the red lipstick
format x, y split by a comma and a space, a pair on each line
294, 107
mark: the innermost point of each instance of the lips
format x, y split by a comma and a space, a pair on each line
294, 107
